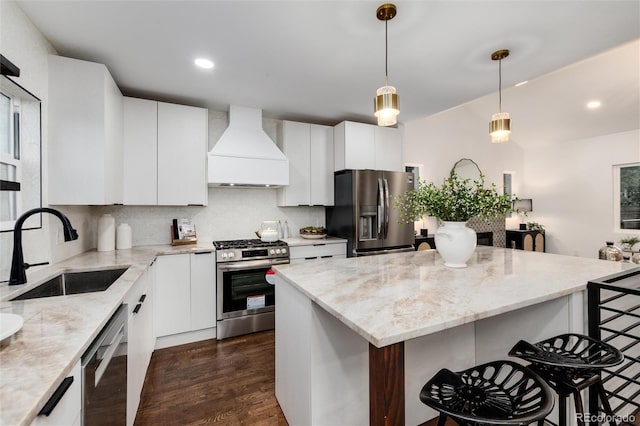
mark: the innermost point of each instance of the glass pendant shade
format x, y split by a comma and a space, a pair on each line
500, 127
386, 106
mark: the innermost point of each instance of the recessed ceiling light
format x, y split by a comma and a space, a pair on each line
593, 104
203, 63
522, 83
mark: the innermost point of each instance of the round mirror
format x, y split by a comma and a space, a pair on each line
467, 169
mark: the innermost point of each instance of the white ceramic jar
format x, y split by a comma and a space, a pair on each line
106, 233
123, 237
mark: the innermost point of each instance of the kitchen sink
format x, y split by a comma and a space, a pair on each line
74, 283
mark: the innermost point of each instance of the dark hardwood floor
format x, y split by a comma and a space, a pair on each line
231, 382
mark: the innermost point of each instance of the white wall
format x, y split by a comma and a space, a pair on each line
561, 153
571, 184
439, 141
23, 44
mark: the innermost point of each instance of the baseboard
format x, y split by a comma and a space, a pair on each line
184, 338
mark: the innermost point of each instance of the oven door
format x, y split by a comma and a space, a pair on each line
242, 288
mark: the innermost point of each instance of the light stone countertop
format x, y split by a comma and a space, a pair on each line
392, 298
299, 241
58, 330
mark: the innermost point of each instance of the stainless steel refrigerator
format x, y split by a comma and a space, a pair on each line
364, 211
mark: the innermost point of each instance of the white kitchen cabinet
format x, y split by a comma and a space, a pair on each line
203, 290
68, 409
185, 293
140, 152
173, 294
141, 338
85, 143
309, 149
317, 250
182, 155
388, 143
165, 153
365, 146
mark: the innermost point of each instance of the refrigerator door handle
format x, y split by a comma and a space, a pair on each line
386, 208
381, 211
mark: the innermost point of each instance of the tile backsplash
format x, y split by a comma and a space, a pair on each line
232, 213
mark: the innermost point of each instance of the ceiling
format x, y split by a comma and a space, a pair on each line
322, 61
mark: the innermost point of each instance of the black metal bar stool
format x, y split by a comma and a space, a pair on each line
496, 393
570, 363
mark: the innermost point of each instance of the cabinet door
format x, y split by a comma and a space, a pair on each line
354, 146
173, 294
140, 151
141, 339
85, 134
69, 407
203, 291
182, 155
388, 143
321, 167
295, 146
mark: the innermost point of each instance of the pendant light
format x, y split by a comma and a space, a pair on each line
385, 104
500, 125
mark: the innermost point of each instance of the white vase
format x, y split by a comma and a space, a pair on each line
455, 243
106, 233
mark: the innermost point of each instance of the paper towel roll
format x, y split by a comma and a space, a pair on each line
123, 237
106, 233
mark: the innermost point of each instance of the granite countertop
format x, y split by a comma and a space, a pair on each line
58, 330
299, 241
396, 297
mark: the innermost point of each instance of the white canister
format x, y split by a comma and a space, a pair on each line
123, 237
106, 233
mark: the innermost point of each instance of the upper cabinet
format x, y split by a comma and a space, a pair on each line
365, 146
309, 149
165, 153
85, 134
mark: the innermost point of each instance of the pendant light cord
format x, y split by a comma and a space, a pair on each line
386, 54
500, 85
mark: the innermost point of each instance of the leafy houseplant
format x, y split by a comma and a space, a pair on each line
454, 203
629, 242
457, 200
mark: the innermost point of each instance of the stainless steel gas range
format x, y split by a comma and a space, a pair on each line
245, 288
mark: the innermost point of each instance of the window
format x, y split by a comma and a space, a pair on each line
626, 178
10, 167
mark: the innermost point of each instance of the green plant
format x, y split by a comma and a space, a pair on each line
631, 240
457, 200
533, 226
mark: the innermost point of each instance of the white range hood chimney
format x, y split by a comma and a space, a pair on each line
245, 156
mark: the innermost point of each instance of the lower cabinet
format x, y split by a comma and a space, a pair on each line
526, 240
185, 293
140, 337
65, 406
313, 251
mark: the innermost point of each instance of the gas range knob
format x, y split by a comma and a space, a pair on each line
232, 254
272, 251
223, 255
284, 250
277, 251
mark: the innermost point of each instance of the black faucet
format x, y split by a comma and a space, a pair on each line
18, 267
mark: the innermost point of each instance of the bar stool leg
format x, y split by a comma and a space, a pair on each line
577, 399
442, 419
562, 410
605, 404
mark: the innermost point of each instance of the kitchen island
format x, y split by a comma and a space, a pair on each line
357, 338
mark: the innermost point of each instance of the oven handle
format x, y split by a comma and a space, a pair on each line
249, 264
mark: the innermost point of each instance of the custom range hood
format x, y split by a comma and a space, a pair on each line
245, 156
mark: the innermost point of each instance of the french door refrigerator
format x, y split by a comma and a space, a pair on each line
364, 211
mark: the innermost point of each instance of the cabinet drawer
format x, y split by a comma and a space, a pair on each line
317, 250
